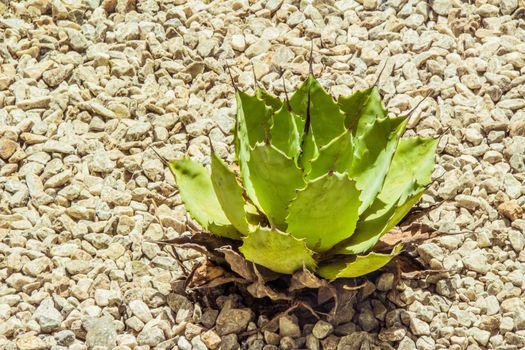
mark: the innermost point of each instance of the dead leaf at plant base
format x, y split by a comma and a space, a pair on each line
260, 289
225, 265
208, 275
237, 263
306, 279
407, 235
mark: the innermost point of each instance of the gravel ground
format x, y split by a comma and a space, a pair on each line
86, 86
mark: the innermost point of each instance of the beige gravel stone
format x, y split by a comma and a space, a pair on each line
510, 210
7, 148
87, 87
29, 341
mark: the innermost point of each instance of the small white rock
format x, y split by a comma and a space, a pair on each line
237, 42
141, 310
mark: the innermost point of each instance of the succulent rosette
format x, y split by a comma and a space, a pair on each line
320, 181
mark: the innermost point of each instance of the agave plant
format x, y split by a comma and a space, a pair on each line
320, 182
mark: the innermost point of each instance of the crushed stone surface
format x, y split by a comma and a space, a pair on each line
87, 87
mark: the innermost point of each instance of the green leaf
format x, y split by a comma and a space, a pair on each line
372, 228
410, 171
325, 211
352, 267
300, 98
275, 179
335, 156
373, 152
367, 233
299, 102
284, 132
229, 193
327, 120
316, 107
309, 152
254, 216
375, 140
278, 251
253, 118
362, 109
228, 231
196, 191
403, 209
413, 161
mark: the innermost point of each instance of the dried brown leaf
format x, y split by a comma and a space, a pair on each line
326, 293
259, 288
238, 263
343, 305
305, 279
208, 240
208, 275
418, 212
414, 233
205, 272
203, 242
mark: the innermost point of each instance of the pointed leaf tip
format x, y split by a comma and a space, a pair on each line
270, 100
362, 108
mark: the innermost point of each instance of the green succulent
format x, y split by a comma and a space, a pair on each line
320, 181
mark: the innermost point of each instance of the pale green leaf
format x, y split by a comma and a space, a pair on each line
254, 118
229, 193
372, 228
403, 209
278, 251
228, 231
362, 109
367, 233
310, 151
200, 200
325, 212
335, 156
284, 132
300, 105
275, 179
327, 120
300, 98
361, 265
253, 123
375, 140
410, 171
373, 152
412, 161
